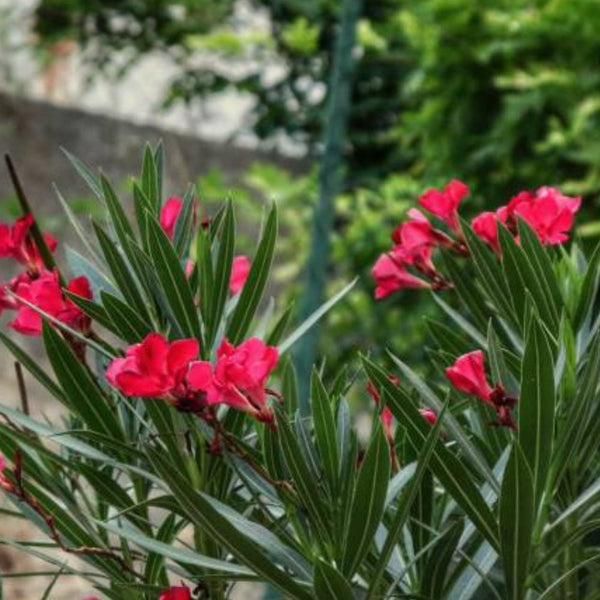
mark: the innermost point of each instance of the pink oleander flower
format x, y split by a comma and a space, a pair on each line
549, 213
418, 233
169, 214
239, 273
444, 203
467, 375
8, 302
45, 293
429, 415
181, 592
154, 367
16, 243
238, 378
391, 275
189, 268
485, 226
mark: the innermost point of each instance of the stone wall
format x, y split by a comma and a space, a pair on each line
34, 131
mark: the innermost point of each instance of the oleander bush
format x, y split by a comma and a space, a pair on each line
187, 462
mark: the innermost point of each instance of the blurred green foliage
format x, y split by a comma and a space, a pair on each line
504, 93
365, 218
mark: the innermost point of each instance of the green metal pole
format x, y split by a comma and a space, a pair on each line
331, 180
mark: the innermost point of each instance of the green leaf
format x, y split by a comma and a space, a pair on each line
325, 431
521, 276
118, 217
452, 472
173, 281
73, 533
589, 290
121, 272
305, 483
126, 321
276, 333
466, 288
291, 339
462, 323
330, 584
149, 180
218, 528
221, 274
178, 554
491, 277
542, 265
368, 502
80, 265
83, 394
155, 571
404, 506
516, 511
439, 561
33, 367
536, 407
82, 234
252, 291
184, 225
159, 161
95, 311
451, 425
86, 173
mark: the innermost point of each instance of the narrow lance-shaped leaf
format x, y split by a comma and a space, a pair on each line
521, 276
84, 396
218, 528
330, 584
516, 513
252, 291
126, 321
325, 430
173, 280
121, 272
452, 427
368, 502
452, 473
221, 275
404, 506
149, 180
305, 483
536, 407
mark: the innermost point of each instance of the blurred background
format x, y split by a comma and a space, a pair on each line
342, 111
503, 94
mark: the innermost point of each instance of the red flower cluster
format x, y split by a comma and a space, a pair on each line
17, 243
181, 592
467, 375
37, 285
156, 368
547, 211
416, 239
153, 368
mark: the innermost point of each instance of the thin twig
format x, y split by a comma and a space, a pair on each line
18, 489
22, 388
36, 233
